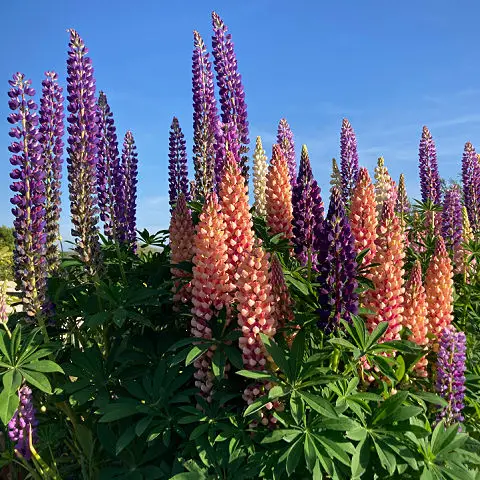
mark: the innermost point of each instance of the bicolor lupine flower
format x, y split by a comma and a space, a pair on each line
181, 246
205, 118
23, 424
383, 184
232, 94
193, 189
403, 204
307, 211
82, 149
3, 303
337, 266
279, 195
471, 185
282, 301
28, 201
429, 177
130, 169
348, 159
439, 290
227, 141
236, 214
209, 283
51, 130
177, 164
415, 313
335, 177
110, 176
287, 144
461, 260
452, 224
363, 216
385, 300
260, 168
451, 368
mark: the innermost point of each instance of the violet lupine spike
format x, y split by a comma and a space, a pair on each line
177, 165
232, 94
308, 211
471, 185
23, 424
51, 130
109, 172
130, 169
82, 150
451, 368
287, 144
205, 118
429, 177
337, 267
227, 141
29, 196
452, 219
348, 159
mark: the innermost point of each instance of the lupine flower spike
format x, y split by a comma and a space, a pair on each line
429, 177
209, 283
181, 245
348, 159
51, 130
29, 196
415, 313
227, 142
205, 118
260, 168
467, 236
279, 195
337, 267
403, 204
232, 94
452, 226
383, 184
335, 177
471, 185
438, 289
363, 216
177, 164
385, 300
82, 149
286, 142
130, 169
307, 211
451, 374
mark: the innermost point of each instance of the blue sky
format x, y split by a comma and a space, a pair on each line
389, 67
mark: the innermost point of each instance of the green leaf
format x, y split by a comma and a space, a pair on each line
310, 452
342, 342
431, 398
142, 425
276, 392
361, 458
277, 354
388, 407
116, 411
319, 404
297, 407
400, 372
37, 379
8, 396
293, 456
376, 334
125, 439
218, 364
85, 440
46, 366
188, 476
277, 435
195, 352
386, 456
234, 356
3, 347
256, 406
199, 430
297, 352
257, 375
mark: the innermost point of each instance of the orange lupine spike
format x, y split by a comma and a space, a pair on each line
363, 216
439, 290
279, 195
415, 313
282, 300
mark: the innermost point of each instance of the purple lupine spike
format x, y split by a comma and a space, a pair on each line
24, 423
82, 149
307, 211
348, 159
29, 196
109, 172
227, 141
205, 118
287, 144
51, 130
450, 382
130, 169
177, 165
429, 177
232, 94
452, 219
337, 266
471, 185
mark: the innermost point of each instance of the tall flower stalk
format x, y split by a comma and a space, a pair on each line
51, 130
383, 185
232, 94
335, 176
260, 168
130, 170
403, 204
205, 118
452, 224
82, 149
429, 177
287, 144
177, 164
348, 159
28, 201
471, 185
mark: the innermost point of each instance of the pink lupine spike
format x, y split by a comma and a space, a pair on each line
279, 195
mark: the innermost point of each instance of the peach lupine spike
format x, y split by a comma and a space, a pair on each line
279, 195
383, 184
363, 216
283, 312
260, 167
181, 245
386, 298
335, 177
461, 255
209, 283
439, 290
415, 313
236, 214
